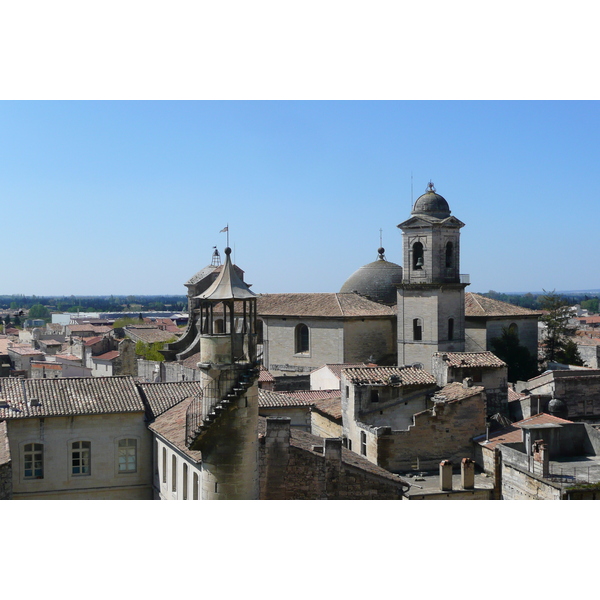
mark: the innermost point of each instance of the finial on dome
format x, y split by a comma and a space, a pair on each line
381, 253
227, 250
430, 187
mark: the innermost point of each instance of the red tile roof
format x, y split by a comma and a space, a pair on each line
107, 355
471, 359
477, 305
396, 376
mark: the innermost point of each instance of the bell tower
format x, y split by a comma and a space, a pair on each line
431, 297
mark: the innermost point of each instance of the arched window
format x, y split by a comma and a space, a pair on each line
513, 329
450, 329
173, 473
302, 339
417, 262
164, 465
449, 255
417, 330
185, 481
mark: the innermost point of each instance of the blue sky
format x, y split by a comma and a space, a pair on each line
128, 197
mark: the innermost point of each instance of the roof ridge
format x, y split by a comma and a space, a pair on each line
339, 304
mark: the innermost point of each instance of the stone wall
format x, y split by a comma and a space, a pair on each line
326, 344
103, 432
443, 432
323, 426
5, 465
519, 484
290, 472
370, 340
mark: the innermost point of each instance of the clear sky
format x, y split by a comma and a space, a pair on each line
129, 197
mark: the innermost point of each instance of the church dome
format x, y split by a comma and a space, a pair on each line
557, 408
431, 204
377, 280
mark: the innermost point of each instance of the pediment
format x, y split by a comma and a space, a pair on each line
423, 222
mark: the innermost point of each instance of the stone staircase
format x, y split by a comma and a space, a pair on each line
207, 409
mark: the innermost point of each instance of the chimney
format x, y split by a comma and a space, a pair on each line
467, 473
333, 449
446, 475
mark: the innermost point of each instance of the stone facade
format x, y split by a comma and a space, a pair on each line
295, 465
5, 465
104, 481
444, 431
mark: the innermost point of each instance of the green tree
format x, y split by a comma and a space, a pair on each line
39, 311
521, 364
556, 347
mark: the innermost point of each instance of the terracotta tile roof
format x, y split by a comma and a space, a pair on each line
80, 328
149, 335
102, 328
92, 340
456, 391
314, 395
396, 376
471, 359
305, 441
68, 357
514, 396
331, 407
264, 375
162, 396
107, 355
25, 350
46, 365
69, 396
192, 361
337, 369
50, 342
514, 433
268, 399
477, 305
171, 426
320, 305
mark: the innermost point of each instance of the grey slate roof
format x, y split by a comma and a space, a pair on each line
24, 398
320, 305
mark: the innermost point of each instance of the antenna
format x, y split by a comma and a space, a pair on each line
381, 237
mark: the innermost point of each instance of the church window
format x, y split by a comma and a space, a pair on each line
164, 465
449, 255
417, 262
127, 455
363, 443
185, 481
374, 395
195, 483
451, 329
33, 465
417, 330
173, 473
80, 458
302, 339
513, 328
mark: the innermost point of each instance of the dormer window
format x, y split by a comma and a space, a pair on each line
417, 262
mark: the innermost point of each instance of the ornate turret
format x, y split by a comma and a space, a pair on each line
223, 422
